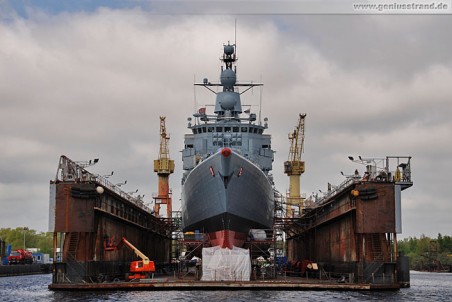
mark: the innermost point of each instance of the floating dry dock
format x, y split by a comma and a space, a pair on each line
349, 234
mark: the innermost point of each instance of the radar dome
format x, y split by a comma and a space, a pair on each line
227, 101
228, 49
228, 78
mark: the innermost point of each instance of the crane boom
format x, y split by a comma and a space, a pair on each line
297, 140
164, 165
135, 250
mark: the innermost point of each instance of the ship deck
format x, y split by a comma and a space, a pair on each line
190, 283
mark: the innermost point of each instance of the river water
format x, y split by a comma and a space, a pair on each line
424, 287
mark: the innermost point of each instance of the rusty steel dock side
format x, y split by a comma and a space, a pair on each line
352, 233
89, 216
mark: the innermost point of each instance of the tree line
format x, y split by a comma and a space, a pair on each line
425, 253
32, 239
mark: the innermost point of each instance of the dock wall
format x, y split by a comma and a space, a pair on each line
88, 227
352, 235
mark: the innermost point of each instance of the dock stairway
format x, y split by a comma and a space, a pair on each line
74, 238
374, 270
376, 248
75, 271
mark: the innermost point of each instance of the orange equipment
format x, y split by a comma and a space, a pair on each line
143, 268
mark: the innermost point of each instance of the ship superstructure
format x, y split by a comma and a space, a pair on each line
227, 189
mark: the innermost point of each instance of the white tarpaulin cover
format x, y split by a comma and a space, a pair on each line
223, 264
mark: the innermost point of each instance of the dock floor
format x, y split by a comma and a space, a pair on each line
165, 284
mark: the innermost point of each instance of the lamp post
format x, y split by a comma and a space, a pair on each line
25, 229
111, 174
121, 183
130, 193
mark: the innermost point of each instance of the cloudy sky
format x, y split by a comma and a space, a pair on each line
89, 79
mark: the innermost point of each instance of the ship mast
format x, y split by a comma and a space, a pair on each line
228, 105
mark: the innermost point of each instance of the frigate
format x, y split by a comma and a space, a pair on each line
226, 186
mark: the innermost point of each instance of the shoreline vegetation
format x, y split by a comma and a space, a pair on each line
19, 236
428, 254
425, 253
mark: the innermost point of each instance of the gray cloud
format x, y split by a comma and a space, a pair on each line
93, 85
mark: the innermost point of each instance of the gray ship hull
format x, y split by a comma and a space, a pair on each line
226, 196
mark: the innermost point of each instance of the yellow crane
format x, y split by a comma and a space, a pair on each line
294, 167
164, 166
